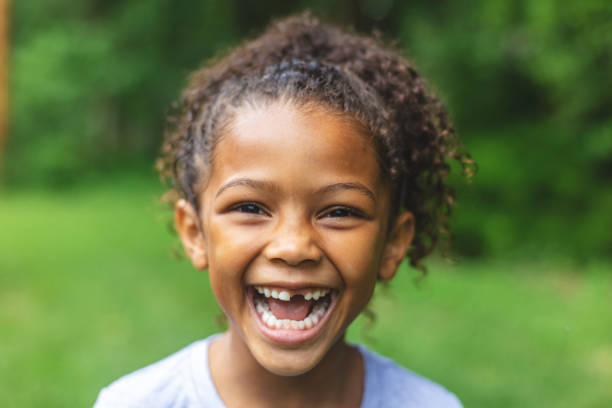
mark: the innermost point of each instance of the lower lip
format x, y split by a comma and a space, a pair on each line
290, 336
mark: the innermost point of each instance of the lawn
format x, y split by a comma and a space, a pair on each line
91, 287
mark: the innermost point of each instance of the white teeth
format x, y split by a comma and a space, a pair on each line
313, 318
286, 296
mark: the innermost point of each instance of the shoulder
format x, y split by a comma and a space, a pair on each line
166, 383
390, 385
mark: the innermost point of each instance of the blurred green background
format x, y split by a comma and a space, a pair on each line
91, 286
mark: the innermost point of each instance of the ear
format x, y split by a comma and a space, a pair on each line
398, 242
188, 228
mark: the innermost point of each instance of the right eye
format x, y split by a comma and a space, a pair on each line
249, 208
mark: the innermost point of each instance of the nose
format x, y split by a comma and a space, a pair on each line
293, 243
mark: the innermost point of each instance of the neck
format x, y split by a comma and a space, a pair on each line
333, 382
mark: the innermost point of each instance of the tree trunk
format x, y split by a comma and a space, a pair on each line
4, 44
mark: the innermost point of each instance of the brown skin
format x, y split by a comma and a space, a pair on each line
282, 223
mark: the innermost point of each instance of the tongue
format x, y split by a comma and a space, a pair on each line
296, 309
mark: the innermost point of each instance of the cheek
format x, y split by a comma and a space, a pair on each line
229, 254
229, 247
357, 255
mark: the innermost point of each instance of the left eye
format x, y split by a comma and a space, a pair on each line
249, 208
340, 212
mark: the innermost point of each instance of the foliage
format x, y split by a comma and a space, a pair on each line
92, 80
528, 82
531, 88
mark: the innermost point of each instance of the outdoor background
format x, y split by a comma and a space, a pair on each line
91, 282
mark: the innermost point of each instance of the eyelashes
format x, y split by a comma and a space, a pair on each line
253, 208
249, 208
341, 212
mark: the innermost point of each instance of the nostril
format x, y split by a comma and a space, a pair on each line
300, 262
294, 261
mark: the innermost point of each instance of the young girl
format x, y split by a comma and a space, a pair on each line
306, 165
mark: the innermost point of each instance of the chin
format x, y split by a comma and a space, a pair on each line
286, 365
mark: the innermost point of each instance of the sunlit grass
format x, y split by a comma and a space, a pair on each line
90, 290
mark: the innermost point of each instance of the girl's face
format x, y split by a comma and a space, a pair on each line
295, 220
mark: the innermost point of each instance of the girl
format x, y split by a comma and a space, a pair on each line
306, 165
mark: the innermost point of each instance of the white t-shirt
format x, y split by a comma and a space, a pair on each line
183, 380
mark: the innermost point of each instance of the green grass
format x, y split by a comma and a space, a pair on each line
90, 290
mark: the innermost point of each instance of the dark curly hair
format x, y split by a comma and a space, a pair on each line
305, 61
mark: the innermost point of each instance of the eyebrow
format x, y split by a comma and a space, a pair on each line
332, 188
265, 185
247, 182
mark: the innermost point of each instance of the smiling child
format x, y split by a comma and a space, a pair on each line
307, 164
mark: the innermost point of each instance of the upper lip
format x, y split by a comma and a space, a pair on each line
293, 285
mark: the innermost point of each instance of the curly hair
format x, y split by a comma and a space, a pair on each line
305, 61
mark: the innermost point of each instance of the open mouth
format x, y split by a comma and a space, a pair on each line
289, 315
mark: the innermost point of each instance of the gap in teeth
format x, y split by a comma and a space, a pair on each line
286, 296
316, 313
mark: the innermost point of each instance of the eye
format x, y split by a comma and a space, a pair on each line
341, 212
249, 208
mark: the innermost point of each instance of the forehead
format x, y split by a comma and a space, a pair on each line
310, 144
